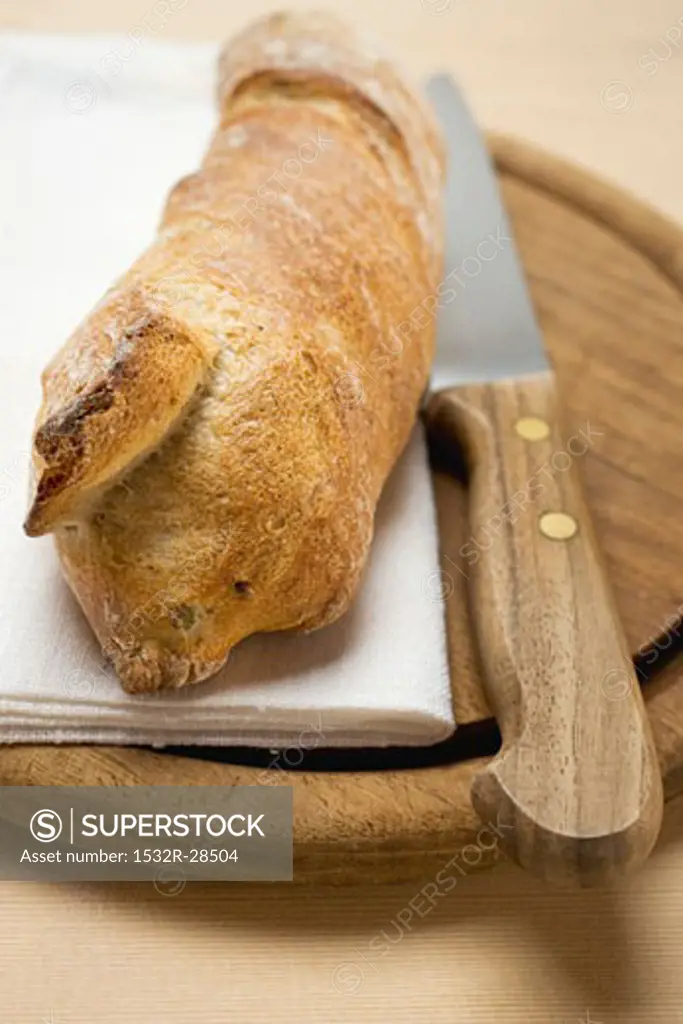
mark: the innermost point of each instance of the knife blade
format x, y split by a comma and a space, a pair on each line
482, 263
576, 787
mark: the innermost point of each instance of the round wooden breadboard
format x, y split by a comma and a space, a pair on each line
607, 279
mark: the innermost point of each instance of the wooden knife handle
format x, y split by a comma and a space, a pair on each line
575, 791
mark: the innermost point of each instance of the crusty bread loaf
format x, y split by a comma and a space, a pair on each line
214, 438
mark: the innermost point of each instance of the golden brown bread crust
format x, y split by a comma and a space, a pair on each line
214, 438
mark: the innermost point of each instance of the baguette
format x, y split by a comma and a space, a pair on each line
214, 437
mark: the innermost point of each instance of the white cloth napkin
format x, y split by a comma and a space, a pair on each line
94, 131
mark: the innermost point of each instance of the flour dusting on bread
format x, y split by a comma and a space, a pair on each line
215, 436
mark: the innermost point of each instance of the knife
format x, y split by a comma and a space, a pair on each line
575, 791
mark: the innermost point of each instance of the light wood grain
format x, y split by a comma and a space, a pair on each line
499, 947
576, 784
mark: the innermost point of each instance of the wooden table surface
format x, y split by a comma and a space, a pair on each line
600, 84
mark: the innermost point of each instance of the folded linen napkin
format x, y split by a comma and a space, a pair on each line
95, 131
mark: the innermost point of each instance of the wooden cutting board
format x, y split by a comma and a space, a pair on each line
606, 274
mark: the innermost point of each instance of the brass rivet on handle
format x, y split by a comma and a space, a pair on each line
531, 428
558, 525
